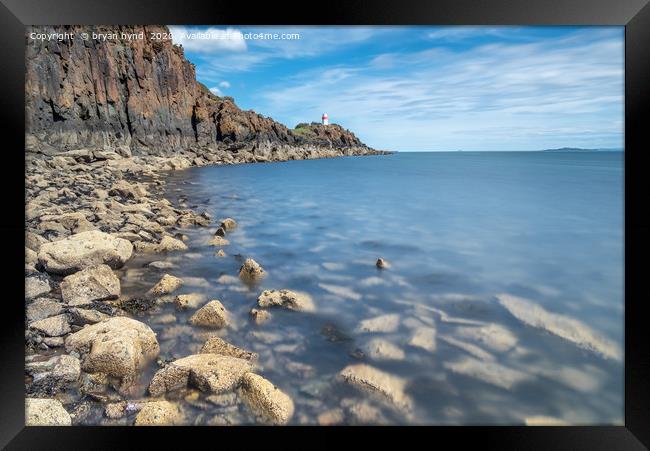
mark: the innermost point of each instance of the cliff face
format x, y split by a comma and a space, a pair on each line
141, 94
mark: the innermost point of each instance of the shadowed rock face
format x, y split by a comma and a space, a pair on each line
142, 96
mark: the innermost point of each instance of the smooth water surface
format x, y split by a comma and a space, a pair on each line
458, 228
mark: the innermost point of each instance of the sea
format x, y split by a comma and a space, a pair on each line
502, 302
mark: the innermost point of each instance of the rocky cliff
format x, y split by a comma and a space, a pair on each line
142, 97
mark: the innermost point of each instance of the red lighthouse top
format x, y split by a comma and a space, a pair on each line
325, 116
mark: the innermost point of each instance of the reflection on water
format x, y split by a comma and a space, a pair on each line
459, 229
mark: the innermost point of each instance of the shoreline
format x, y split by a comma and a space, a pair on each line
113, 198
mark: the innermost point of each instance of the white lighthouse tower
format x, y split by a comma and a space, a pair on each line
326, 120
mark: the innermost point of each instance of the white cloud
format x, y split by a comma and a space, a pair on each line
509, 96
216, 91
208, 41
224, 84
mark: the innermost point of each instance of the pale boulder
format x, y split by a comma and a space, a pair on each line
287, 299
95, 283
46, 412
266, 400
212, 314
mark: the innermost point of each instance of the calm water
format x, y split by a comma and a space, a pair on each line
458, 229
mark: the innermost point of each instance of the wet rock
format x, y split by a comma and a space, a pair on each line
212, 314
220, 253
287, 299
216, 345
43, 308
228, 224
169, 244
189, 301
92, 284
470, 348
81, 317
259, 316
424, 338
371, 380
251, 271
37, 285
159, 413
266, 400
167, 318
167, 284
382, 323
220, 232
84, 249
218, 241
380, 349
54, 326
363, 413
381, 263
46, 412
117, 347
53, 374
208, 372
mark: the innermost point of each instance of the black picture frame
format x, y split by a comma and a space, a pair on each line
633, 14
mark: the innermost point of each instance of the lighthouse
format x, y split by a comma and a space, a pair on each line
326, 119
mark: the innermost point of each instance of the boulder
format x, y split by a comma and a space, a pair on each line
36, 285
251, 271
212, 314
167, 284
117, 347
95, 283
56, 372
208, 372
265, 399
84, 249
169, 244
369, 379
54, 326
43, 308
128, 190
46, 412
159, 413
216, 345
287, 299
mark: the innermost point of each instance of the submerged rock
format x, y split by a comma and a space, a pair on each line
266, 400
369, 379
382, 323
251, 271
424, 338
216, 345
259, 316
490, 372
167, 284
95, 283
563, 326
46, 412
188, 301
218, 241
228, 224
494, 336
117, 347
220, 253
208, 372
84, 249
212, 314
380, 349
287, 299
159, 413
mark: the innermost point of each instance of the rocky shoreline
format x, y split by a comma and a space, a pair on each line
88, 212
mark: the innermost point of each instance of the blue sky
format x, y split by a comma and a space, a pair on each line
427, 88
